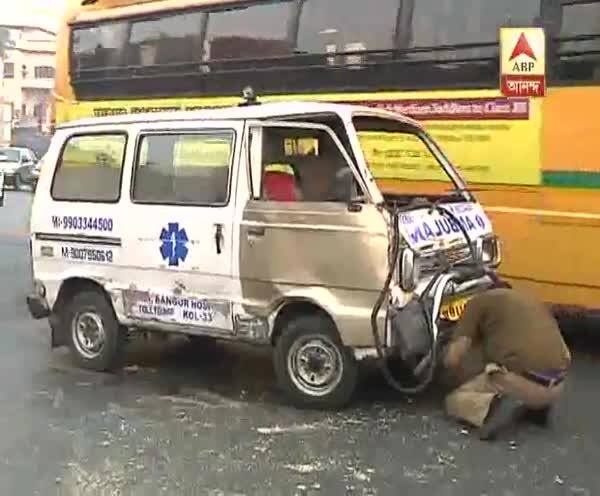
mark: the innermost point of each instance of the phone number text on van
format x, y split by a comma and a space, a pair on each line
81, 223
88, 254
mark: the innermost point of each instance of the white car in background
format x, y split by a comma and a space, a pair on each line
20, 167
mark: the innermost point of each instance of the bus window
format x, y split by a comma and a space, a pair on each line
171, 38
576, 62
347, 25
255, 31
456, 22
581, 18
99, 46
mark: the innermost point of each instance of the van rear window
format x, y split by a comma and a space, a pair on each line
89, 168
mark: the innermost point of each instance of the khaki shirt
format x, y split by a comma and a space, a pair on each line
515, 330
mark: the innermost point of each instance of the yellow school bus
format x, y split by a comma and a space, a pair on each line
534, 163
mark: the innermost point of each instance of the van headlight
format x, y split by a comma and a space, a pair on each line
409, 270
490, 251
478, 248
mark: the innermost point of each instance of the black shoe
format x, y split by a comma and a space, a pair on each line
539, 417
504, 411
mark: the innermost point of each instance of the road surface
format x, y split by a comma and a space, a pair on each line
182, 420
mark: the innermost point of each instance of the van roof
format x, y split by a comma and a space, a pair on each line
260, 111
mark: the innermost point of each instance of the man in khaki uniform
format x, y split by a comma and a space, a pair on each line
509, 358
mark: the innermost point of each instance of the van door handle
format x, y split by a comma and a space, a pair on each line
256, 231
218, 236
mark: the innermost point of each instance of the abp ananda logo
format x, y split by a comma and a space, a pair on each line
522, 62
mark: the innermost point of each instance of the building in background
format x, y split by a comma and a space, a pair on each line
27, 67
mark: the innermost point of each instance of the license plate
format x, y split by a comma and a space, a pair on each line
453, 311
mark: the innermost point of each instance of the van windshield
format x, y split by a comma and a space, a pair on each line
404, 161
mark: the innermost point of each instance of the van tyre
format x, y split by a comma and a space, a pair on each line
313, 367
95, 337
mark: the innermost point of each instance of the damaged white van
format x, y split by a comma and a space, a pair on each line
262, 223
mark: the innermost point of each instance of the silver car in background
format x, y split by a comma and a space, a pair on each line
20, 167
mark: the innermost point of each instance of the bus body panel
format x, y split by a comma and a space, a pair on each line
542, 191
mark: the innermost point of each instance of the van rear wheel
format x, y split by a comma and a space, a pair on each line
95, 337
313, 367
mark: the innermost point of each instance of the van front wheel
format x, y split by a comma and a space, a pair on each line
313, 368
95, 336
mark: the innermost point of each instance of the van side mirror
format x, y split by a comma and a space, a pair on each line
354, 206
345, 190
344, 182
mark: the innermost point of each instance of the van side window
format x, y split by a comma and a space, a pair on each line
89, 168
184, 169
304, 165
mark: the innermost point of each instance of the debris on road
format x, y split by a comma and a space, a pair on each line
295, 428
58, 398
305, 468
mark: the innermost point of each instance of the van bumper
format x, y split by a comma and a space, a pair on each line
38, 308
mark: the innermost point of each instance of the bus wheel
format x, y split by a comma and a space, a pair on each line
313, 368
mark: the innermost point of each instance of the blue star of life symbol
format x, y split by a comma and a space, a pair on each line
173, 247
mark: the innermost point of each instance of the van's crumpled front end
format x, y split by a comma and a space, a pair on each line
442, 247
435, 238
442, 254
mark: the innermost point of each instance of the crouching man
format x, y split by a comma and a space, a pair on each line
509, 360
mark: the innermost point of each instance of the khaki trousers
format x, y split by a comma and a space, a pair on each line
472, 399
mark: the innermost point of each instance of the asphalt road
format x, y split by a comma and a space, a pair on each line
182, 420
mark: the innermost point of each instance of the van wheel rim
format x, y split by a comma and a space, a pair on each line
315, 365
88, 334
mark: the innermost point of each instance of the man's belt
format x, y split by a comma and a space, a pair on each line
548, 379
